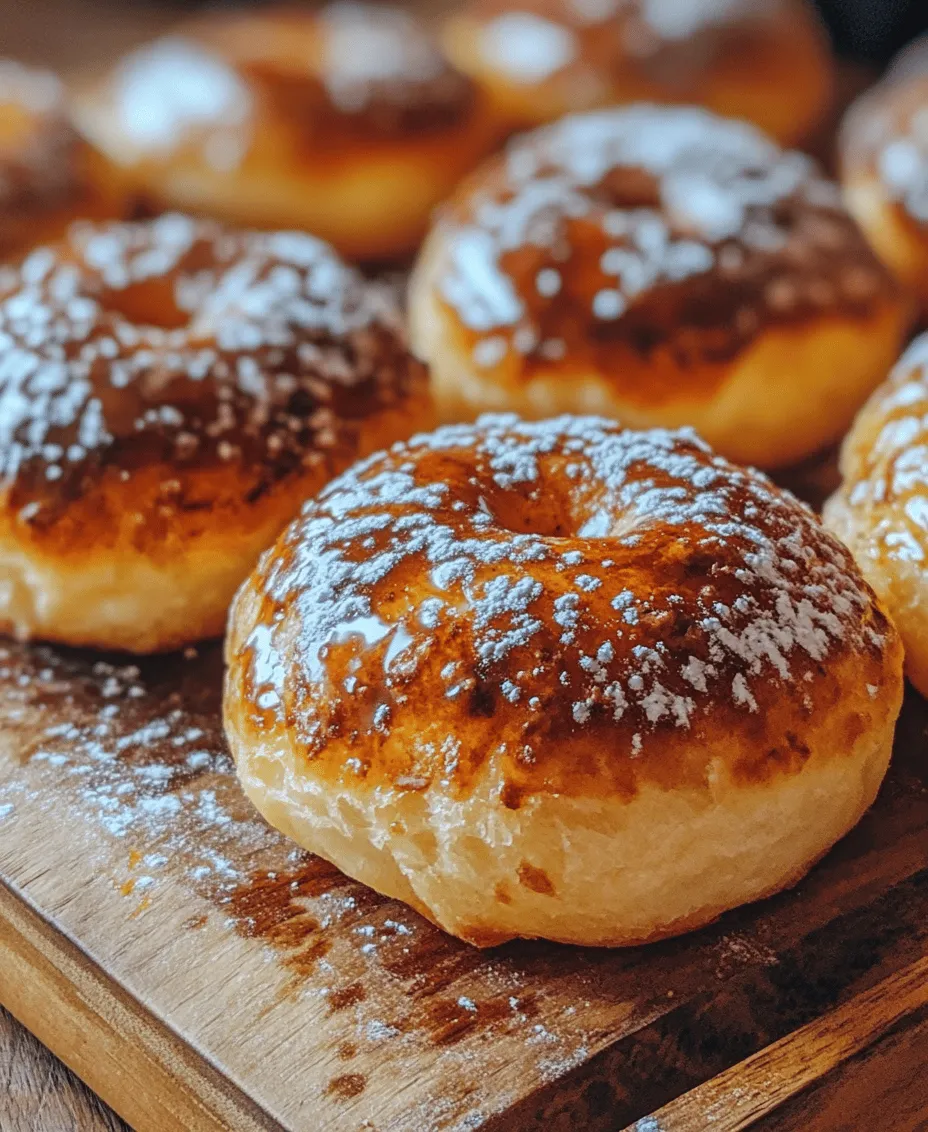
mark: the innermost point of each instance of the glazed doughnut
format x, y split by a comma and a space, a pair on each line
664, 267
170, 393
883, 152
347, 122
881, 509
48, 176
763, 60
561, 679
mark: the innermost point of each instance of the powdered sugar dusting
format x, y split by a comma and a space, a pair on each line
131, 759
271, 346
587, 221
703, 589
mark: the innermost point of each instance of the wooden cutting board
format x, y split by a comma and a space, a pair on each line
201, 973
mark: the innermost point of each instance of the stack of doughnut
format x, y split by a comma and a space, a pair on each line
560, 669
765, 61
348, 122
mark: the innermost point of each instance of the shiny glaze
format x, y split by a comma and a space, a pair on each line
668, 236
181, 358
564, 607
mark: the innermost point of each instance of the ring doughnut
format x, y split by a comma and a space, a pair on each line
883, 152
561, 679
170, 393
347, 123
881, 509
48, 176
664, 267
767, 62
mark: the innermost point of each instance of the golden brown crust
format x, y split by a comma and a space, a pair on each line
250, 116
170, 393
185, 365
622, 234
556, 609
48, 177
664, 266
766, 62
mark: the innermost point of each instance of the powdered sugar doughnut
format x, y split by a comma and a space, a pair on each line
881, 509
764, 60
561, 679
662, 266
48, 176
884, 170
170, 393
347, 122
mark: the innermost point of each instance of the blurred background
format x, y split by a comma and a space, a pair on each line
62, 31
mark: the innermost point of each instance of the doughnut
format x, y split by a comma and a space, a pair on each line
664, 267
48, 175
170, 393
347, 122
560, 679
883, 153
881, 508
764, 60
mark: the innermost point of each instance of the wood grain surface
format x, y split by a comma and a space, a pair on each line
39, 1093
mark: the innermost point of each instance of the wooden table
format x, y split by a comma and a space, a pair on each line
40, 1094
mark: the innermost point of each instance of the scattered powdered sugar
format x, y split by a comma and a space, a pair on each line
131, 761
594, 214
276, 340
530, 47
719, 591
